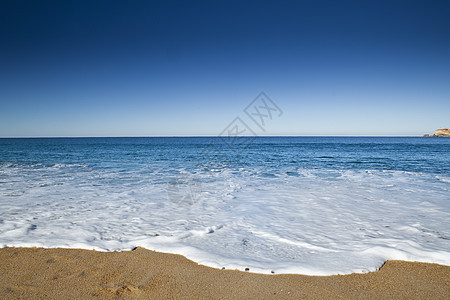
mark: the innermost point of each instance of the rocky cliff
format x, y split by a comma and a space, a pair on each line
440, 133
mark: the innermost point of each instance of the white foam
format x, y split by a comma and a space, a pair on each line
319, 223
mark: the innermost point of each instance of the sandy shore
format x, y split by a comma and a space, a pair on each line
71, 273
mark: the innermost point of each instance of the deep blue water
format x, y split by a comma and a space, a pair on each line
410, 154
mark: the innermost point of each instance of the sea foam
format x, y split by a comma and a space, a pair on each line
319, 222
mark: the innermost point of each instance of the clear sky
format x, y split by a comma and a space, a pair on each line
146, 68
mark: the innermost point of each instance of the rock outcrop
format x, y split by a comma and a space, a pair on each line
441, 132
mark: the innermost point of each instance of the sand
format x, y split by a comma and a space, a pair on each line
37, 273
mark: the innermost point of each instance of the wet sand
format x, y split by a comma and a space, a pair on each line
37, 273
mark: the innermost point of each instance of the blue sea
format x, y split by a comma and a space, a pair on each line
307, 205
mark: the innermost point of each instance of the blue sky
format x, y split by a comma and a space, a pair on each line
143, 68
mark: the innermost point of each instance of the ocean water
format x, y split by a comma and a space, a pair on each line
307, 205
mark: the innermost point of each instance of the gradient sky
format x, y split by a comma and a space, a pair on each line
152, 68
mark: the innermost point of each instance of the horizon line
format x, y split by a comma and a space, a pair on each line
194, 136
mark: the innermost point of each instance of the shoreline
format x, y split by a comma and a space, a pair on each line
77, 273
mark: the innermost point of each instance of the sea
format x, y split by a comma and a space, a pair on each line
303, 205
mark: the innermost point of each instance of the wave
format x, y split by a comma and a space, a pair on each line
318, 222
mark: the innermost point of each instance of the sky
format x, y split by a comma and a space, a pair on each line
188, 68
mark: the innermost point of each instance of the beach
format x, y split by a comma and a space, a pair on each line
289, 217
37, 273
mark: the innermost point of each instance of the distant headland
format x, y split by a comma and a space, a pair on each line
441, 132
